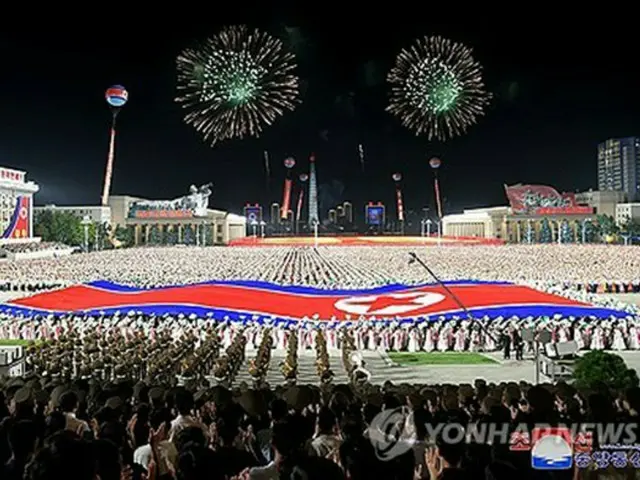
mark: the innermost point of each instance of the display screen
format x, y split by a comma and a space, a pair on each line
375, 215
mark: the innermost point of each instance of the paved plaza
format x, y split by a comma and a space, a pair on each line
381, 370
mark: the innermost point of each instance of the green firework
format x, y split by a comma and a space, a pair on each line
437, 88
236, 83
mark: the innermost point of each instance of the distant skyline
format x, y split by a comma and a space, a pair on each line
559, 91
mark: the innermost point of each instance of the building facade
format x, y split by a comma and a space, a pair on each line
16, 206
627, 212
477, 222
150, 219
603, 202
619, 166
184, 220
96, 214
502, 224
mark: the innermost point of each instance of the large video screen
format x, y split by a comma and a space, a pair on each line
375, 215
253, 214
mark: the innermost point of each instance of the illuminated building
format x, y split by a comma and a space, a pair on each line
275, 213
348, 212
619, 166
627, 212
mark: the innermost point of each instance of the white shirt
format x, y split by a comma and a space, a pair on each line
268, 472
184, 421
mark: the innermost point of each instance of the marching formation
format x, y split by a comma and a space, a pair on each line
586, 266
574, 271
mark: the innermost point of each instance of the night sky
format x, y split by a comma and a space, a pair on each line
559, 88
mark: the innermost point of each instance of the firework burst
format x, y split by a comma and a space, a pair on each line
437, 88
236, 83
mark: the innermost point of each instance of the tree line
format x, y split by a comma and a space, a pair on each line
67, 228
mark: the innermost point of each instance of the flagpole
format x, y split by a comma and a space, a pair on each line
415, 258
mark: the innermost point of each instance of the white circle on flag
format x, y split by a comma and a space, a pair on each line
390, 304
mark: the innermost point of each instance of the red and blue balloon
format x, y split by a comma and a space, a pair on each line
116, 96
435, 163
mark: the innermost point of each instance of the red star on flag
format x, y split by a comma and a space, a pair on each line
387, 301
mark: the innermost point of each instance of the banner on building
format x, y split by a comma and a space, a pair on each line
159, 213
299, 207
11, 174
543, 200
286, 199
19, 225
399, 204
193, 205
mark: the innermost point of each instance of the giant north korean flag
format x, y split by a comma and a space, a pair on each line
241, 300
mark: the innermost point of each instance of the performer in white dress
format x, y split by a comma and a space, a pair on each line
597, 339
413, 340
461, 337
429, 344
618, 339
443, 338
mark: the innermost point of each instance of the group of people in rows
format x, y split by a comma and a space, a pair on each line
550, 267
34, 247
131, 396
458, 335
588, 266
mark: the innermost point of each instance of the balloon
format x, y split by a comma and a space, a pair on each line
396, 177
289, 162
435, 162
304, 177
116, 96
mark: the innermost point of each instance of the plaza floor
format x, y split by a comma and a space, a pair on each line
381, 370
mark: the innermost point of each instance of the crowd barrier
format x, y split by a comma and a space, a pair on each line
361, 240
38, 254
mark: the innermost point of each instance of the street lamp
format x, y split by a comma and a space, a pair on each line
425, 231
315, 234
86, 221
